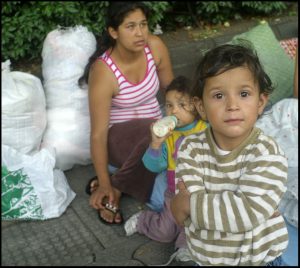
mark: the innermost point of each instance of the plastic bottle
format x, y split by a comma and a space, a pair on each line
162, 126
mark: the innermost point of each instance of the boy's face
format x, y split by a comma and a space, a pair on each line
180, 105
231, 103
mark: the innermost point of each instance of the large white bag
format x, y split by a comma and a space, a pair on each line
23, 110
65, 55
281, 122
31, 187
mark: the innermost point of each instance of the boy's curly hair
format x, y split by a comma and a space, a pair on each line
226, 57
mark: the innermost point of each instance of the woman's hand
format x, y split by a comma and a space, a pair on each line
180, 204
101, 195
102, 84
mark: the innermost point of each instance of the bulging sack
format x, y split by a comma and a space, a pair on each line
31, 187
23, 110
65, 55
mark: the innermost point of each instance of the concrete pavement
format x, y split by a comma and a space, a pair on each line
78, 238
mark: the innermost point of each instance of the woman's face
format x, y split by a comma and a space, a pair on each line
132, 34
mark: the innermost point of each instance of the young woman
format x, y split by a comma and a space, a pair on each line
124, 75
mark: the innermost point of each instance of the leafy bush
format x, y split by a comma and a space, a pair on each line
25, 25
197, 13
216, 12
268, 7
158, 9
219, 11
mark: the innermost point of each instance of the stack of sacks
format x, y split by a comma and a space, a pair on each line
31, 187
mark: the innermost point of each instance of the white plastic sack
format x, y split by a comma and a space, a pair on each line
65, 55
50, 185
281, 123
23, 110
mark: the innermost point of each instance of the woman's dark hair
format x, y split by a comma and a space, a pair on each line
116, 13
226, 57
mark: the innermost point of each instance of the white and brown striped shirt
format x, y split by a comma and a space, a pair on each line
134, 101
233, 196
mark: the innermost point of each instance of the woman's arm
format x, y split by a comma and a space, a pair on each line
162, 60
101, 90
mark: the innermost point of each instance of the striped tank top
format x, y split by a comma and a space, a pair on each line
134, 101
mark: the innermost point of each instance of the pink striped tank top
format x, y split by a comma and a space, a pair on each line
134, 101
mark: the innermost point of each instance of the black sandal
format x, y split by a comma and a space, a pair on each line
88, 186
114, 210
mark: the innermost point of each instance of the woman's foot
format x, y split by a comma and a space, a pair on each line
92, 185
106, 215
109, 216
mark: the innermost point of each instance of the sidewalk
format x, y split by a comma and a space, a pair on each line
78, 238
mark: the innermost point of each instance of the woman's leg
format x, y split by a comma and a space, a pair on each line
127, 144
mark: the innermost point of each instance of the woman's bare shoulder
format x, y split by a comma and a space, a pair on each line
102, 77
99, 67
155, 42
158, 48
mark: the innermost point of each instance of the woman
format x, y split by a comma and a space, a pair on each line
124, 76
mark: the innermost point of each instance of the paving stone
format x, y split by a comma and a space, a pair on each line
48, 245
155, 253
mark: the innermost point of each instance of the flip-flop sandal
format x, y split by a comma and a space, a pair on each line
114, 210
88, 186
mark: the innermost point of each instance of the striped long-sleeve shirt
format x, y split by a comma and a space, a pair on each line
233, 196
134, 101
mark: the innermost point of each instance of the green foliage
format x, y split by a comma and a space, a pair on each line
260, 7
219, 11
25, 25
180, 14
216, 11
158, 9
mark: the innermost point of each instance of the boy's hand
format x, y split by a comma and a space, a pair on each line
180, 204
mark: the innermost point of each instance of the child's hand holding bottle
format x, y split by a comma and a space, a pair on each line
161, 130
